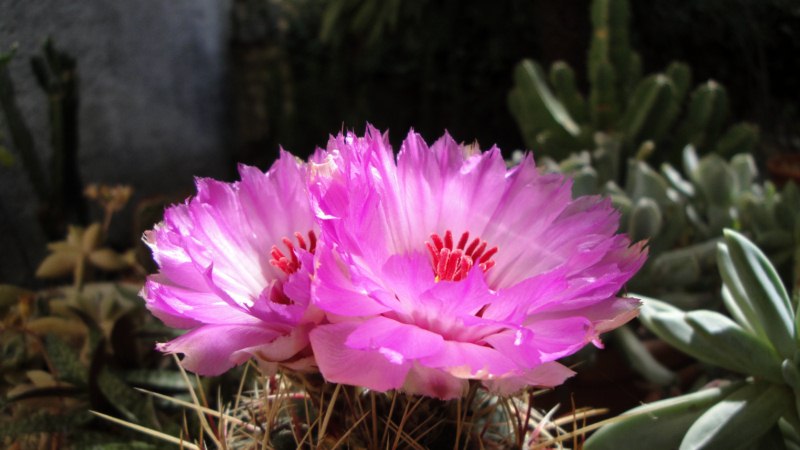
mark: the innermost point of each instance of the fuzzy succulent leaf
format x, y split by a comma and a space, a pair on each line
659, 425
677, 181
645, 220
681, 267
712, 338
740, 419
764, 290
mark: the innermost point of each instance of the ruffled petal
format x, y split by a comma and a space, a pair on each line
340, 364
185, 308
396, 341
213, 349
546, 375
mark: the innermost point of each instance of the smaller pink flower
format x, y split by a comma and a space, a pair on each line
235, 264
445, 267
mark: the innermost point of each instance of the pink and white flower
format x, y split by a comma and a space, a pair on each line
235, 263
444, 267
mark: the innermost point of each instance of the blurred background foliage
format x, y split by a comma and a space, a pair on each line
305, 69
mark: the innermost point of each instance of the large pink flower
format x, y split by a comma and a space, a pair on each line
445, 267
234, 269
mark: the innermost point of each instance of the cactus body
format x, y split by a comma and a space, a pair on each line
707, 112
562, 77
651, 110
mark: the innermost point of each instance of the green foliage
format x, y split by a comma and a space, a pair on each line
642, 111
61, 358
760, 344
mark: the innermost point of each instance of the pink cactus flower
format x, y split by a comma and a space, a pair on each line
234, 270
446, 267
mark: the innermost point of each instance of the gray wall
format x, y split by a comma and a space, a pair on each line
153, 101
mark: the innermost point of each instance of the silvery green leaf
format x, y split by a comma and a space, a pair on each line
735, 296
740, 419
732, 347
737, 313
764, 290
697, 222
676, 268
677, 181
645, 220
712, 338
584, 182
719, 217
684, 266
690, 162
716, 180
744, 166
642, 181
658, 425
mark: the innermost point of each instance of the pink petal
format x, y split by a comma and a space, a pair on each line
434, 383
184, 308
398, 341
546, 375
339, 290
468, 360
341, 364
213, 349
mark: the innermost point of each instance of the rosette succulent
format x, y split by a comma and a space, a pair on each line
445, 267
234, 269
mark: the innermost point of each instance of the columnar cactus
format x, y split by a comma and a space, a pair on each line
556, 121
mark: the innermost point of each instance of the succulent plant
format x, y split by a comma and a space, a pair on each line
555, 118
757, 405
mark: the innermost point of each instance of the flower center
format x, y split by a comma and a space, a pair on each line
290, 264
453, 263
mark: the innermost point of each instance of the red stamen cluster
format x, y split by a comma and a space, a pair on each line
290, 264
453, 264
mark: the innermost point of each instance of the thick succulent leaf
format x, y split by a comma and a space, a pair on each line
734, 295
712, 338
643, 181
733, 347
764, 290
645, 220
716, 180
740, 419
659, 425
677, 181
